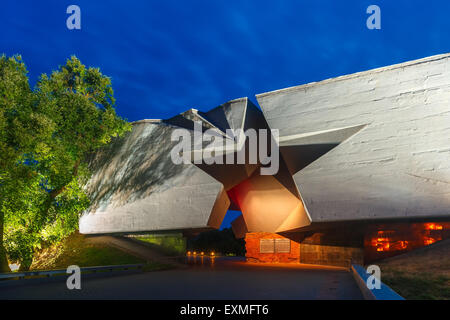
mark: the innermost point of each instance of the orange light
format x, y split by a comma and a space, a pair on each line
403, 244
212, 253
381, 242
195, 252
433, 226
202, 253
188, 253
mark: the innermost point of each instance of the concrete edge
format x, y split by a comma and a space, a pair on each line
354, 75
62, 277
384, 293
146, 121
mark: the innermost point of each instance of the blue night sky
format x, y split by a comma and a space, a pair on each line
165, 57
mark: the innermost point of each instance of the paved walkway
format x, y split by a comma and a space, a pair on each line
220, 280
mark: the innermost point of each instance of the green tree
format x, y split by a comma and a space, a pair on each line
68, 116
21, 130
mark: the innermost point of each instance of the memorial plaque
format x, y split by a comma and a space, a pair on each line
266, 245
282, 245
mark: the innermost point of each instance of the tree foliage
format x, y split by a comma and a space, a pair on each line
46, 135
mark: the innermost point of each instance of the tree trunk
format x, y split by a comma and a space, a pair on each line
4, 267
25, 264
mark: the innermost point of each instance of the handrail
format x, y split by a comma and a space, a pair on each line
48, 273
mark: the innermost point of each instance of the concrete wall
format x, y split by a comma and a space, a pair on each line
382, 139
136, 187
398, 165
303, 250
330, 255
252, 246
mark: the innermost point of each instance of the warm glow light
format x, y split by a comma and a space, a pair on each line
403, 244
188, 253
383, 242
433, 226
383, 246
391, 240
195, 252
202, 253
212, 253
260, 196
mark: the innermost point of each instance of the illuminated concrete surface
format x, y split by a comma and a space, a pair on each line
136, 187
397, 165
366, 146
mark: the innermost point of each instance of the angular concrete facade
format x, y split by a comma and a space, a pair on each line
398, 165
369, 146
135, 187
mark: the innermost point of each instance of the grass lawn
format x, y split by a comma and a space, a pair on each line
420, 274
78, 250
418, 286
169, 245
